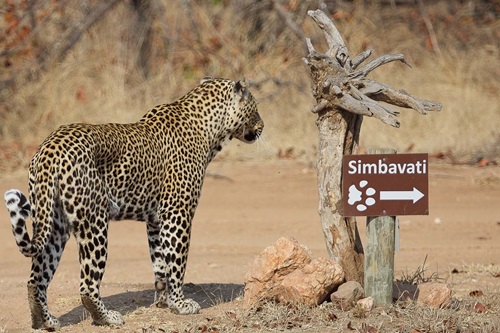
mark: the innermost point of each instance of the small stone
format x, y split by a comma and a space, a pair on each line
347, 295
366, 303
434, 294
479, 308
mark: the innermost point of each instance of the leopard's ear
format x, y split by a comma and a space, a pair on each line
241, 89
206, 79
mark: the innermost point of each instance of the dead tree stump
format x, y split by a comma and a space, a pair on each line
344, 95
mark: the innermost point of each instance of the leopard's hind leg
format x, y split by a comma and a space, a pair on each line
45, 256
43, 268
90, 228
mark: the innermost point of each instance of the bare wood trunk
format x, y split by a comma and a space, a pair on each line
336, 138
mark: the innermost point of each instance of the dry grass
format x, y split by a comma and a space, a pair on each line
98, 81
418, 276
463, 315
400, 317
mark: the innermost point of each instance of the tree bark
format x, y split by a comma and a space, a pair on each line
337, 136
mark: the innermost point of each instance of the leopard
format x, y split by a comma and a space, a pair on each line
85, 175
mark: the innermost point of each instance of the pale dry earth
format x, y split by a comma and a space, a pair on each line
245, 207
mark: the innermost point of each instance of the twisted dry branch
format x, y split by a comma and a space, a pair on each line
339, 84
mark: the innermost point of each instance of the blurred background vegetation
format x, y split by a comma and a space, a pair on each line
64, 61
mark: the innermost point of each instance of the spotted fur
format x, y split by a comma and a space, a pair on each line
84, 175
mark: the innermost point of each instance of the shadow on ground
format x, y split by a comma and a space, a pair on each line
207, 295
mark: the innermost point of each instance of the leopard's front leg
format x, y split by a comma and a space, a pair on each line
157, 253
175, 230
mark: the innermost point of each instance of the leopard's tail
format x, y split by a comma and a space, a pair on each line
20, 209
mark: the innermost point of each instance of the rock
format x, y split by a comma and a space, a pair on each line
280, 258
311, 284
286, 272
347, 295
434, 294
276, 261
366, 303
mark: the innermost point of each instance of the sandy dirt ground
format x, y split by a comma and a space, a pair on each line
244, 208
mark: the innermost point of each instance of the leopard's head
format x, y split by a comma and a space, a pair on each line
250, 123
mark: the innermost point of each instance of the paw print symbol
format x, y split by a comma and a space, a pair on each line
356, 195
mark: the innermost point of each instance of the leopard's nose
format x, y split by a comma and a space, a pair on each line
250, 136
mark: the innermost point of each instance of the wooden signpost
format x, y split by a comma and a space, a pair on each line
382, 186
